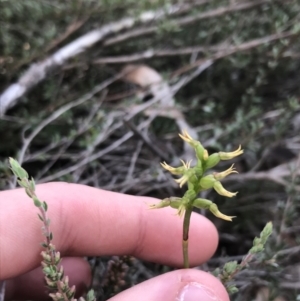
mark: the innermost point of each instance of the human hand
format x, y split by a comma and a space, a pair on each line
91, 222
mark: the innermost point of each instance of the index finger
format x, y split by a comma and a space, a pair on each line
87, 221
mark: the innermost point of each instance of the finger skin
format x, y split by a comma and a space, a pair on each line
170, 286
31, 285
87, 221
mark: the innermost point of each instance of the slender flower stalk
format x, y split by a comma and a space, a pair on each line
196, 181
185, 236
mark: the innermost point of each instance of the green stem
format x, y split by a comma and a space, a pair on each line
185, 238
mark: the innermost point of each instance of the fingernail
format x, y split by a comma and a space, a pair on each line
196, 292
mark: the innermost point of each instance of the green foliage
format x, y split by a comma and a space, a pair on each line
249, 97
54, 274
232, 268
259, 242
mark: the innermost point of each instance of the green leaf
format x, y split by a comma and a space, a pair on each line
44, 245
90, 295
232, 289
256, 241
21, 173
256, 249
14, 164
47, 270
40, 217
37, 202
216, 272
266, 232
20, 183
28, 192
32, 184
17, 169
45, 206
230, 267
259, 243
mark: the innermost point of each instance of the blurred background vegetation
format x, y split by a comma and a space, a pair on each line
85, 123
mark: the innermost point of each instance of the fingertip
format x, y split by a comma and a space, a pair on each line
200, 285
89, 221
180, 285
162, 233
203, 239
143, 233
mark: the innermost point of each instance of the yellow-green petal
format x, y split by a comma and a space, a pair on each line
215, 211
218, 187
186, 137
221, 175
231, 155
181, 181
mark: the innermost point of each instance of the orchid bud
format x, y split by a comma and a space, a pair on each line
207, 182
196, 145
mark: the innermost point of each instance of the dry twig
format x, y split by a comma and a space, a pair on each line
38, 71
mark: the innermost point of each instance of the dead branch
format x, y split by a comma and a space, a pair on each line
38, 71
89, 156
277, 175
59, 112
151, 53
185, 21
234, 49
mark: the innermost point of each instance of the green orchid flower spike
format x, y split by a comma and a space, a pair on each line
198, 180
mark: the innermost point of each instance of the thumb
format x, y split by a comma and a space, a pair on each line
180, 285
